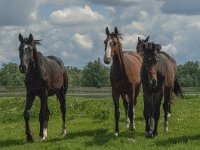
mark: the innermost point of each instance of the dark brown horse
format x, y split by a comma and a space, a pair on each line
44, 76
124, 77
158, 75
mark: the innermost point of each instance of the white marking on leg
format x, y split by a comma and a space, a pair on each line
44, 134
116, 134
64, 129
166, 129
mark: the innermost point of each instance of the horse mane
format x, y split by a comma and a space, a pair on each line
37, 42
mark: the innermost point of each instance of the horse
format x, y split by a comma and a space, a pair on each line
158, 77
44, 77
124, 77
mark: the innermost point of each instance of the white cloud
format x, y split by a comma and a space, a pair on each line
75, 16
83, 41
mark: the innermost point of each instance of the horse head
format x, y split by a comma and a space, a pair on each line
150, 61
26, 52
140, 44
112, 44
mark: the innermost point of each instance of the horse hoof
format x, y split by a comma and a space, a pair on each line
116, 134
63, 133
132, 128
169, 115
30, 138
149, 134
166, 129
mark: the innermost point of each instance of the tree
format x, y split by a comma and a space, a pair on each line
189, 74
95, 74
74, 76
10, 75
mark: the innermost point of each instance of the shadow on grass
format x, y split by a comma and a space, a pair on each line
100, 136
177, 140
11, 142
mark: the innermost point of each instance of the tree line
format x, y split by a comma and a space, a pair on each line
96, 74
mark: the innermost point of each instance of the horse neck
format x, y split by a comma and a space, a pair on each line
37, 62
118, 62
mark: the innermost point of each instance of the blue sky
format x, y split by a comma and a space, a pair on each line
74, 30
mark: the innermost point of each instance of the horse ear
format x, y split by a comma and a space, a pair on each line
158, 47
116, 31
20, 38
107, 31
147, 39
30, 38
139, 39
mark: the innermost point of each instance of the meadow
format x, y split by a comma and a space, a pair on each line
90, 125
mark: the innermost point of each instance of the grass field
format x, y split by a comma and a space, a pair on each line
90, 125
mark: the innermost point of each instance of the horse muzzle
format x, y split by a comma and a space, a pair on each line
153, 83
107, 60
22, 68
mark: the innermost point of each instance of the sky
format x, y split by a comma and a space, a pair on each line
74, 30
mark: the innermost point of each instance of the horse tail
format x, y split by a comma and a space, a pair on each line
65, 84
177, 88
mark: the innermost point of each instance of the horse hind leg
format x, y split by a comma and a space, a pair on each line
131, 112
62, 100
166, 108
125, 103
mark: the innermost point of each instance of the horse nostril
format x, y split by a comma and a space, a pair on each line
22, 68
154, 82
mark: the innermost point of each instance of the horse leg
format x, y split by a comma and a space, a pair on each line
146, 114
166, 107
115, 96
42, 116
125, 102
131, 110
156, 114
29, 103
62, 100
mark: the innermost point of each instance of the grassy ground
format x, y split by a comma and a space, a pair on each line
90, 125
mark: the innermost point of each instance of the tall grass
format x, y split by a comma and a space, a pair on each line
90, 125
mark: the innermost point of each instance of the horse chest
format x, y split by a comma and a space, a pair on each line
34, 83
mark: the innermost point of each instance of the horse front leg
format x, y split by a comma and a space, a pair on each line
156, 115
131, 110
29, 103
43, 116
115, 96
147, 114
125, 103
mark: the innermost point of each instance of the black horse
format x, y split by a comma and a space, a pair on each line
44, 76
158, 75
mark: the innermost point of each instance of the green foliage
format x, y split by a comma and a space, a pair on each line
189, 74
95, 74
10, 75
75, 75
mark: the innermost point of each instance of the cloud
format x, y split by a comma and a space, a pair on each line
75, 16
185, 7
17, 12
83, 41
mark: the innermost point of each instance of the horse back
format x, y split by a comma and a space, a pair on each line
132, 64
56, 72
167, 68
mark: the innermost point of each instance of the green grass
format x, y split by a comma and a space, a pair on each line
90, 125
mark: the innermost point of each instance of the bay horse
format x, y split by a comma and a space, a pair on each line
124, 77
44, 76
158, 76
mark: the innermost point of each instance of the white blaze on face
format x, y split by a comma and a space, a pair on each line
108, 49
